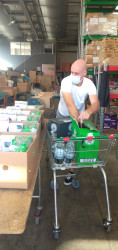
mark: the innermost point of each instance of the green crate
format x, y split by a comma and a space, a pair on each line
86, 151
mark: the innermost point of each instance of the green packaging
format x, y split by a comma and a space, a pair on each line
86, 150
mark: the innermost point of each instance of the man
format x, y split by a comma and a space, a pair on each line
75, 89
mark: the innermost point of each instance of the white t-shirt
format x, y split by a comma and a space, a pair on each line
79, 94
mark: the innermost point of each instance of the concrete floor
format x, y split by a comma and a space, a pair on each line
80, 213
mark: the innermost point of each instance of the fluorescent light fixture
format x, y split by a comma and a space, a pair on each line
11, 22
116, 7
29, 38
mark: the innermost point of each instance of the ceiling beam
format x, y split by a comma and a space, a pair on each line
10, 2
24, 7
45, 16
40, 19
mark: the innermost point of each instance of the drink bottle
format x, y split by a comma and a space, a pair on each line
69, 152
26, 128
14, 147
59, 152
38, 113
19, 140
28, 141
23, 147
35, 119
33, 128
30, 118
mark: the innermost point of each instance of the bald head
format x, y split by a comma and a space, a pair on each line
79, 67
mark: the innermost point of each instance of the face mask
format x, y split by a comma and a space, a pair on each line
76, 79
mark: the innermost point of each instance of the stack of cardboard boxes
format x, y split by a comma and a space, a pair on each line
23, 87
10, 90
109, 51
101, 24
99, 51
93, 53
46, 78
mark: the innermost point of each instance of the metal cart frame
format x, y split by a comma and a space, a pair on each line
105, 144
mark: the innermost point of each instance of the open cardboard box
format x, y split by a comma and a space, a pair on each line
30, 107
42, 116
16, 168
36, 133
45, 97
23, 117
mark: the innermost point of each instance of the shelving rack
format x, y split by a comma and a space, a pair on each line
91, 6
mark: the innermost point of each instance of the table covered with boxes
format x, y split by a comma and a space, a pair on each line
22, 133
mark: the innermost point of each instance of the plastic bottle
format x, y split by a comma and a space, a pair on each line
26, 128
69, 152
35, 119
30, 118
23, 147
14, 147
28, 141
54, 136
33, 127
59, 152
19, 140
38, 113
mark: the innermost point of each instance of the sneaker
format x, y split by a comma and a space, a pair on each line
68, 179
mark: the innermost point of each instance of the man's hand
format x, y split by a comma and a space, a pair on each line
85, 115
95, 106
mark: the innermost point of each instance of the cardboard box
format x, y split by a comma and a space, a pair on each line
111, 61
101, 24
13, 73
42, 116
24, 119
15, 91
3, 80
32, 76
46, 97
9, 90
110, 120
36, 133
48, 69
45, 82
23, 87
17, 168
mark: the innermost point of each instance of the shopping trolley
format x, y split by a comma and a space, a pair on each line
77, 153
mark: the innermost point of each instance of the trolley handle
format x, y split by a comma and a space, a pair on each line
103, 137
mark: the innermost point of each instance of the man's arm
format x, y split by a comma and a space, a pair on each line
73, 111
94, 108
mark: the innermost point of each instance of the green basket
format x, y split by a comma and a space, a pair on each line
86, 151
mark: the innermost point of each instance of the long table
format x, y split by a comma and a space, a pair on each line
15, 203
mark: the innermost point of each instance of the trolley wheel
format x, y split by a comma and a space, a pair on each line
56, 234
107, 225
75, 183
52, 185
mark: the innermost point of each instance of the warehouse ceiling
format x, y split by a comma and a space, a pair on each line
40, 20
45, 20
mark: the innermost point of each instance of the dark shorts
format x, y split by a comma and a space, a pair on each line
58, 115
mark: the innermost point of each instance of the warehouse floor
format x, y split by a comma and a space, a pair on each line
80, 213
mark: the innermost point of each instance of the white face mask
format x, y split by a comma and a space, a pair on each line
76, 79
